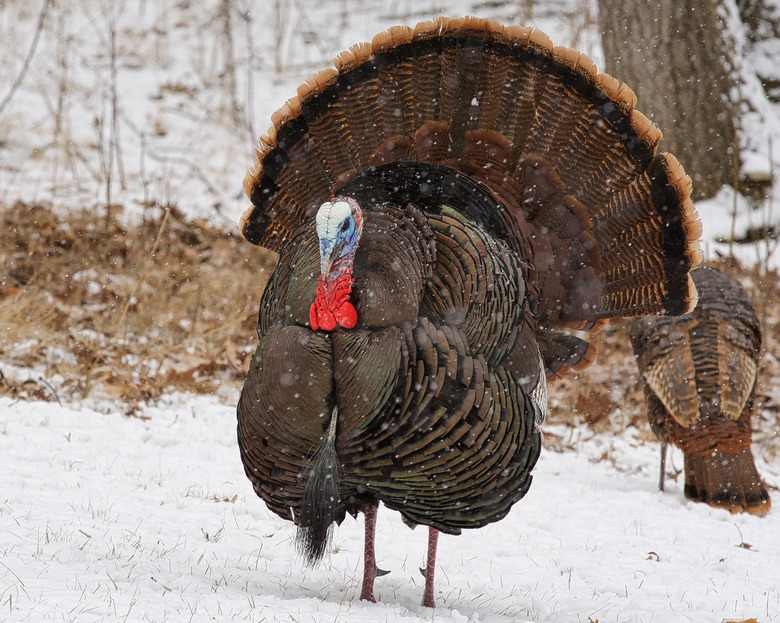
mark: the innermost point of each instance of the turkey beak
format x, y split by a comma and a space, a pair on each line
328, 253
326, 246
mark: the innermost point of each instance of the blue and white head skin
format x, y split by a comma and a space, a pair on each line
339, 225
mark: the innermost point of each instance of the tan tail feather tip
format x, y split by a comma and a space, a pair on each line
430, 27
693, 225
540, 40
316, 84
346, 60
626, 94
356, 55
522, 34
609, 85
565, 55
266, 143
587, 65
588, 357
645, 128
250, 179
289, 110
694, 297
676, 174
443, 26
598, 325
575, 59
392, 37
243, 221
476, 24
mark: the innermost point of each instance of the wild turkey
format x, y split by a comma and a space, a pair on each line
457, 207
699, 374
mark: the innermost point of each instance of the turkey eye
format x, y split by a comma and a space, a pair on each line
345, 226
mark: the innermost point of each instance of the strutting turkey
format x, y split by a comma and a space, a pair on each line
699, 374
457, 207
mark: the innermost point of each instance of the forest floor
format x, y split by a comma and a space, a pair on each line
90, 310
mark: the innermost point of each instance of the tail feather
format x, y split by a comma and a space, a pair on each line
321, 504
559, 110
726, 480
358, 109
656, 280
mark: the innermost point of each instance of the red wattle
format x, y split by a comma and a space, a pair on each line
326, 319
331, 307
346, 315
313, 316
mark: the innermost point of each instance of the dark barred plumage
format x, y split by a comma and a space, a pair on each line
511, 200
700, 373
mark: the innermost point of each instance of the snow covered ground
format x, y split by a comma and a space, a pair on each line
109, 518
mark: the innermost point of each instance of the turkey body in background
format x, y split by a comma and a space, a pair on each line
699, 374
497, 200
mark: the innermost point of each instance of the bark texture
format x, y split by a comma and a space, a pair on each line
675, 56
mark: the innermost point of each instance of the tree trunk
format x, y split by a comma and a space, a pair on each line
676, 57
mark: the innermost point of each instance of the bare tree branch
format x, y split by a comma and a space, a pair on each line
30, 54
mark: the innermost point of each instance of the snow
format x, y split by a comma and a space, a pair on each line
105, 517
720, 221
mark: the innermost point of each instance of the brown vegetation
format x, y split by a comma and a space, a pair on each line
131, 312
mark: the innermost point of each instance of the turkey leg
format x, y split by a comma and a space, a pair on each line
662, 476
369, 556
433, 540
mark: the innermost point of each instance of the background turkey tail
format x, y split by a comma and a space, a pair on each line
726, 480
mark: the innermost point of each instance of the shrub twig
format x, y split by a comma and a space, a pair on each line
23, 72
